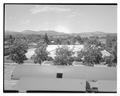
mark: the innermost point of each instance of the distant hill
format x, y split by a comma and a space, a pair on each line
42, 32
53, 33
88, 34
96, 33
30, 32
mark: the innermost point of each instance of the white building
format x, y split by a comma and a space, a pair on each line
52, 49
47, 63
105, 53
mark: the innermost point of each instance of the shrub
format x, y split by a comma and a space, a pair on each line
17, 51
92, 55
63, 56
6, 51
109, 61
41, 55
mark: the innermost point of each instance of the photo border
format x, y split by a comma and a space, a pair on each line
44, 91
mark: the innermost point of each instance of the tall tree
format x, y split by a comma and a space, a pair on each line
114, 52
17, 51
92, 55
63, 56
79, 39
8, 44
110, 40
40, 54
46, 39
11, 40
111, 47
58, 41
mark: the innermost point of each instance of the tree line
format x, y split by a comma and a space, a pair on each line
17, 47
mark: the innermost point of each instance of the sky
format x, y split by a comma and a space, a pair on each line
61, 18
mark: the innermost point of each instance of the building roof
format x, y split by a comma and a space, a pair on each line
76, 63
47, 63
52, 49
105, 53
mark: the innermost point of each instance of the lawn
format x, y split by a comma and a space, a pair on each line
69, 72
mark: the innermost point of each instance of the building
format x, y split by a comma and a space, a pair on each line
47, 63
52, 49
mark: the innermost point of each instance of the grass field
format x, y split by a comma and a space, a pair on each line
36, 70
9, 66
8, 69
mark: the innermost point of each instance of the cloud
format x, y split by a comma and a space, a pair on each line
24, 22
71, 12
48, 8
74, 13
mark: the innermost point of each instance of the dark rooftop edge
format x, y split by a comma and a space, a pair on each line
60, 3
55, 91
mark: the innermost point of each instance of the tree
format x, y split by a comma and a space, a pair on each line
112, 60
79, 39
92, 55
94, 41
58, 41
11, 40
110, 40
46, 39
17, 51
8, 44
108, 60
80, 55
63, 56
114, 53
41, 54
